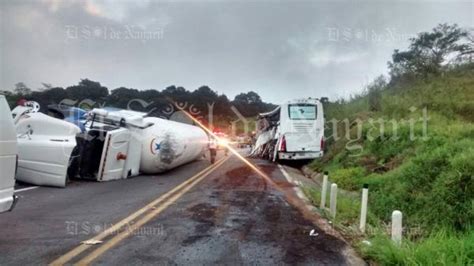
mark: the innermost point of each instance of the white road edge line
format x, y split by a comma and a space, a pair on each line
290, 179
25, 189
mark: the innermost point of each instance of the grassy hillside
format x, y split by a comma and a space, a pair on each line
423, 167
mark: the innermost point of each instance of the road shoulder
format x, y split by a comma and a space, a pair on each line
297, 178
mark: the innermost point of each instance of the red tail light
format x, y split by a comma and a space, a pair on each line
322, 144
283, 144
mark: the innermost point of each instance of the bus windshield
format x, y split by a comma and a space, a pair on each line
302, 111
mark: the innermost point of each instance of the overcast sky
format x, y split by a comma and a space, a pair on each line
279, 49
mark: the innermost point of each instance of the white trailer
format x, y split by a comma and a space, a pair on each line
8, 157
292, 131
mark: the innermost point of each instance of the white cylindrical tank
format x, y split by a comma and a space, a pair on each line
168, 144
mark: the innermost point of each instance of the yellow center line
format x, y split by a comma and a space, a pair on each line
124, 234
126, 221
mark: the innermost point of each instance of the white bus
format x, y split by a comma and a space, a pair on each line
292, 131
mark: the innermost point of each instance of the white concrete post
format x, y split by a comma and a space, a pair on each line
363, 207
324, 188
397, 227
333, 200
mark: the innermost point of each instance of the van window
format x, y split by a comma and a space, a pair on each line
302, 111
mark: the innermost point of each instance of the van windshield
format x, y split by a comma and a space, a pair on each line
302, 111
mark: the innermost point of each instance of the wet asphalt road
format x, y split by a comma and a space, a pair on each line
233, 216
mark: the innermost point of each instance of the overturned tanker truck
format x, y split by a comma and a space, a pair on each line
292, 131
114, 145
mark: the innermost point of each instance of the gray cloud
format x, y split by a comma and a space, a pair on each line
280, 49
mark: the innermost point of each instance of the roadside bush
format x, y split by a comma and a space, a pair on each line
348, 178
465, 110
317, 165
393, 142
453, 192
435, 189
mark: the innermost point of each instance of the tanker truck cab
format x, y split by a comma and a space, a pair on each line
8, 157
110, 148
300, 133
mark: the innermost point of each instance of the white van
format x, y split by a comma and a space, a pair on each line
8, 157
292, 131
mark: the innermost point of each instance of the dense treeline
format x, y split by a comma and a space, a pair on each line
200, 102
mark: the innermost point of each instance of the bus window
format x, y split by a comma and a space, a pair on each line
302, 111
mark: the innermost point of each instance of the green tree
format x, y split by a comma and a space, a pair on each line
250, 104
202, 97
48, 96
177, 94
429, 51
248, 98
87, 89
121, 97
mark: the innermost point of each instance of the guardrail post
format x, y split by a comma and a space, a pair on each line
333, 200
397, 227
324, 188
363, 207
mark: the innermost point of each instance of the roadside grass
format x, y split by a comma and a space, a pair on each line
426, 171
348, 212
441, 248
